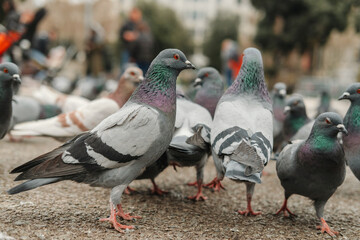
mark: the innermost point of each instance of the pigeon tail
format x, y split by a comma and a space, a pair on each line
31, 184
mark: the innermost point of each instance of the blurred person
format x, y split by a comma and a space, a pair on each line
230, 58
144, 45
94, 54
128, 36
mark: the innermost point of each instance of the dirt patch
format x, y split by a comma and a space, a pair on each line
68, 210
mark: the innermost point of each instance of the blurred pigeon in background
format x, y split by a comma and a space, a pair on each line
296, 116
278, 95
67, 103
315, 167
115, 152
352, 124
86, 117
242, 132
210, 90
325, 103
9, 83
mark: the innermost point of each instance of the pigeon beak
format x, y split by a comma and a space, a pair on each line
141, 78
282, 92
16, 78
287, 109
197, 82
189, 65
342, 129
344, 96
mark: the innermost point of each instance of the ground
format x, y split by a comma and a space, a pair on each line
68, 210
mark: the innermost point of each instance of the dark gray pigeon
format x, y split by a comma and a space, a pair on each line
352, 124
242, 132
117, 150
296, 116
211, 88
278, 95
9, 83
190, 145
315, 167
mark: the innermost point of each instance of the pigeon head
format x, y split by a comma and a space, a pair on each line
133, 75
250, 79
295, 106
328, 124
279, 90
172, 59
9, 76
208, 75
352, 93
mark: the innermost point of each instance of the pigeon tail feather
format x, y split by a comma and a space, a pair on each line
31, 184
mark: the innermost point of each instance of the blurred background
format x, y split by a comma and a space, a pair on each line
309, 45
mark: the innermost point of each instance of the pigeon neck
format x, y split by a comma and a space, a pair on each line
352, 118
250, 80
158, 89
321, 142
122, 92
296, 122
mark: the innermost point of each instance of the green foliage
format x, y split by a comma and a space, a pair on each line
224, 26
167, 29
305, 23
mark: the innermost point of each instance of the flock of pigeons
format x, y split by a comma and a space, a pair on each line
146, 125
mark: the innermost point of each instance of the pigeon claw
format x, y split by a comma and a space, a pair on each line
156, 190
249, 212
125, 216
215, 185
285, 209
198, 197
195, 184
113, 221
129, 190
325, 228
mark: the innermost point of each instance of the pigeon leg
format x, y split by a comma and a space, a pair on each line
128, 190
285, 209
125, 216
249, 192
113, 221
193, 184
199, 195
215, 184
325, 228
156, 190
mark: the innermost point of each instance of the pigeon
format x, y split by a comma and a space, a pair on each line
352, 124
325, 100
68, 125
29, 109
190, 145
9, 83
278, 95
242, 132
67, 103
117, 150
296, 116
314, 167
211, 88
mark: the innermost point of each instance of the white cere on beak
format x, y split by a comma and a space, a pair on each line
188, 62
340, 126
282, 92
287, 109
198, 80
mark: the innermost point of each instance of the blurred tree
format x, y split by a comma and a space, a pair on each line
167, 29
302, 25
224, 26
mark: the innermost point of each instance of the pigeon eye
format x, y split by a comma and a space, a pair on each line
176, 57
132, 73
358, 91
206, 74
327, 120
6, 70
296, 103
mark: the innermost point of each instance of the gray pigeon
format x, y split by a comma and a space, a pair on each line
190, 145
315, 167
296, 116
352, 124
242, 132
117, 150
278, 95
211, 88
9, 83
